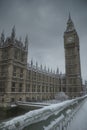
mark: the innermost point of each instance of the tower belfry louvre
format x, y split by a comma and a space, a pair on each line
22, 81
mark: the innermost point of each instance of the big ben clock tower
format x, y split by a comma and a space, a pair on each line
72, 61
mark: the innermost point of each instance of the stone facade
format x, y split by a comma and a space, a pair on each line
20, 81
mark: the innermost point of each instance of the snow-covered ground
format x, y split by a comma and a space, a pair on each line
80, 120
21, 122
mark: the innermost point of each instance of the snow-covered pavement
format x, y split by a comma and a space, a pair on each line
80, 120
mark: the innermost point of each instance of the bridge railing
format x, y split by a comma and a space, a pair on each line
63, 121
67, 110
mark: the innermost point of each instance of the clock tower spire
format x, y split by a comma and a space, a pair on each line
72, 60
70, 24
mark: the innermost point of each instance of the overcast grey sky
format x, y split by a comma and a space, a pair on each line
45, 22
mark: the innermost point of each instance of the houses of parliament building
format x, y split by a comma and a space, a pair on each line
20, 81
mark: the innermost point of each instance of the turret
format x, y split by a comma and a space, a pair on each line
32, 63
41, 67
57, 71
51, 70
26, 42
13, 34
2, 39
36, 64
48, 70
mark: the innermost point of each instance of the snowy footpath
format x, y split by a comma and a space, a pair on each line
80, 120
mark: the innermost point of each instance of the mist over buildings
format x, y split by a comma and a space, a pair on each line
45, 22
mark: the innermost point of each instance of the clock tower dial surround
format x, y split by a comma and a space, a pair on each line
70, 39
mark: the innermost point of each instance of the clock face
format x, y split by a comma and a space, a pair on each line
70, 39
